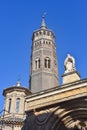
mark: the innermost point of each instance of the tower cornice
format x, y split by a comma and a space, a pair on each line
42, 31
15, 88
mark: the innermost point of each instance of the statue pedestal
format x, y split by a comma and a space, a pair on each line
70, 77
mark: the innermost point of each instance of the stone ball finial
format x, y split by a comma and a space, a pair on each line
18, 84
69, 63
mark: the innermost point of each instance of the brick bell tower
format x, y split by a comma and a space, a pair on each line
44, 68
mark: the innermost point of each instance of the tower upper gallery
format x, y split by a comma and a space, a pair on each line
44, 69
43, 32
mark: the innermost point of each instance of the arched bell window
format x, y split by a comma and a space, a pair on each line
17, 105
47, 62
37, 63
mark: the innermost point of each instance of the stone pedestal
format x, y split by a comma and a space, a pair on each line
70, 77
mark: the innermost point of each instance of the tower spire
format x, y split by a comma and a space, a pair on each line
43, 25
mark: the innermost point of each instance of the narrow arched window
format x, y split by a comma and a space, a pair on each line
9, 105
36, 34
47, 62
17, 105
43, 42
44, 32
40, 33
37, 63
46, 42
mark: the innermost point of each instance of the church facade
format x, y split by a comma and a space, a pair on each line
47, 105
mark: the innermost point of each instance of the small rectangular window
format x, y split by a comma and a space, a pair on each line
9, 105
17, 105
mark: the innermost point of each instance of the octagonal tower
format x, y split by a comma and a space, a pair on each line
44, 69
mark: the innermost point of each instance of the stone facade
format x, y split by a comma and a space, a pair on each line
60, 108
49, 106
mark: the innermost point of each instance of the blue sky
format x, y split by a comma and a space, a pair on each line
18, 20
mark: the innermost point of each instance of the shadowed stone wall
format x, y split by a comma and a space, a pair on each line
61, 116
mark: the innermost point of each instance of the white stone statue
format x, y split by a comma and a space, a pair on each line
69, 64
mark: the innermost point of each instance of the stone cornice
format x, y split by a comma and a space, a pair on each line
58, 94
69, 73
15, 88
